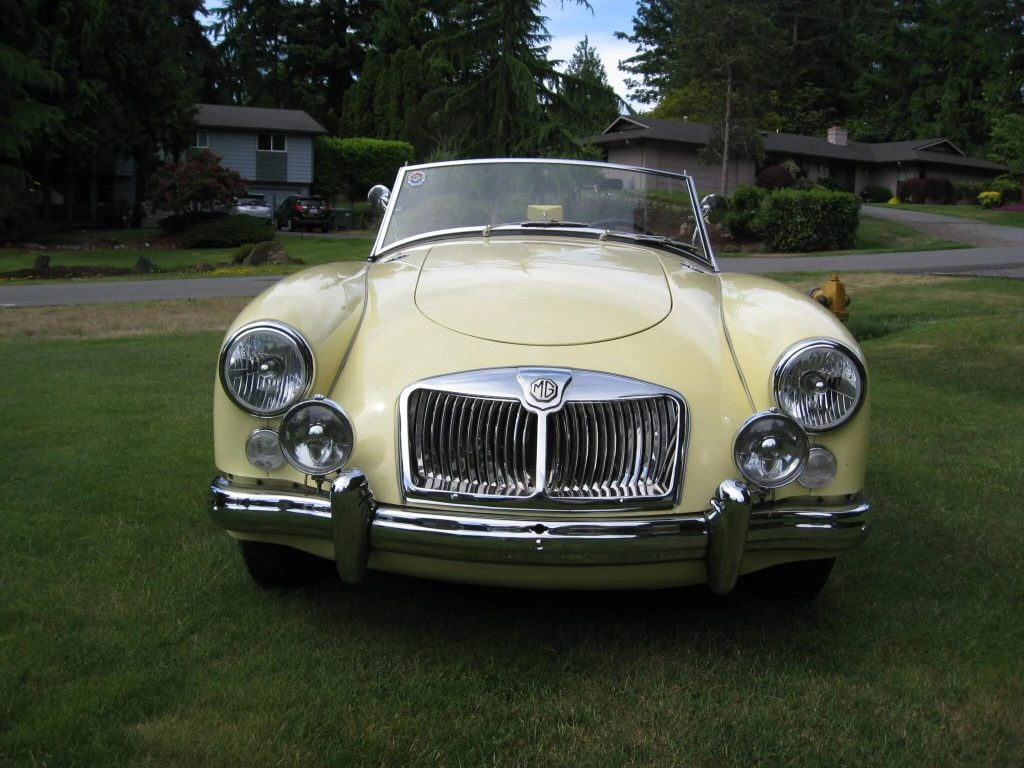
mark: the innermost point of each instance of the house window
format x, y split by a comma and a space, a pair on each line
201, 140
271, 142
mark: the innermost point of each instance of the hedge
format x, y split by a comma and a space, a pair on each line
808, 220
743, 208
351, 166
227, 232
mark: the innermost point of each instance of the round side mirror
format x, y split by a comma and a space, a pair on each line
713, 208
379, 196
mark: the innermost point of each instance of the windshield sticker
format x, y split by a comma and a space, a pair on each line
416, 178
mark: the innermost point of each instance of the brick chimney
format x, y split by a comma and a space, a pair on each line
837, 135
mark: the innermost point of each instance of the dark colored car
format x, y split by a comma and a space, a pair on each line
303, 213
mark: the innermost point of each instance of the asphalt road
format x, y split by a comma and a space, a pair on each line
1001, 254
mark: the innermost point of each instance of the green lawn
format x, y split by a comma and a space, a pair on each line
310, 248
875, 235
1004, 218
130, 634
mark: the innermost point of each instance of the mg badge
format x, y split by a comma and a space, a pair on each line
544, 388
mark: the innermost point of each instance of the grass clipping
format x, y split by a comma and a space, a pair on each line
106, 321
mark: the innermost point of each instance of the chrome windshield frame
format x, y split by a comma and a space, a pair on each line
706, 260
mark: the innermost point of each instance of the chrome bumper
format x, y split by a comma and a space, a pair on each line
732, 526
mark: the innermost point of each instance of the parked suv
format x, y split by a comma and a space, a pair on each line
303, 213
253, 205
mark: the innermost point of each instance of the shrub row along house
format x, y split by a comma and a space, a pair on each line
676, 145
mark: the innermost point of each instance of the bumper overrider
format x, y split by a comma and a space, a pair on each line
733, 525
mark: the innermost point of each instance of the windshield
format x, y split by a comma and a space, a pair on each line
542, 194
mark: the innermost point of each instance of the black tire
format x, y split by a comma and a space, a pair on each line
289, 224
271, 565
802, 580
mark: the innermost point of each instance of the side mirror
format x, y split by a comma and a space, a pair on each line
378, 197
713, 208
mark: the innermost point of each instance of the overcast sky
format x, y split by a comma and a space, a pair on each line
568, 23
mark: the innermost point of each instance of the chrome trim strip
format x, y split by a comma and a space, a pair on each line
718, 535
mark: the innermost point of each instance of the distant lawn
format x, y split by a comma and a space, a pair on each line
876, 235
1003, 218
312, 249
130, 634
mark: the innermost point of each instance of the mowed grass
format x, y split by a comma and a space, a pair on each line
130, 634
311, 249
975, 212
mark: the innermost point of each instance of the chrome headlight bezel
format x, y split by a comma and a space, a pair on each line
783, 373
784, 426
303, 352
288, 449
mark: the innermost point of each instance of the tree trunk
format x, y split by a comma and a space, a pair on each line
726, 131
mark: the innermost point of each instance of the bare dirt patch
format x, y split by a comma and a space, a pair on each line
120, 320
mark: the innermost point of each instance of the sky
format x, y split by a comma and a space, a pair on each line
569, 22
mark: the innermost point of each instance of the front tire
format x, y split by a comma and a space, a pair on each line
271, 565
802, 580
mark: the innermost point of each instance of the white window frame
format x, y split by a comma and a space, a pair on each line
284, 141
201, 140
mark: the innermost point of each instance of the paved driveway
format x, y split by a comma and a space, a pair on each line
976, 233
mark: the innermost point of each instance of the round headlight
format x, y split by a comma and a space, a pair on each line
770, 450
820, 383
316, 437
265, 368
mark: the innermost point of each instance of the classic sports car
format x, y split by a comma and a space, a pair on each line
541, 379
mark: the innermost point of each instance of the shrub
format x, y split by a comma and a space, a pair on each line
227, 232
913, 191
197, 183
351, 166
968, 190
939, 190
179, 222
743, 207
1009, 189
893, 201
775, 177
813, 220
831, 183
990, 199
875, 194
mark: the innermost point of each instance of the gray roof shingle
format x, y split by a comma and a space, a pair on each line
257, 118
686, 132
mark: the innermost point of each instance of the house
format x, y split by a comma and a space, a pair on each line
675, 145
271, 148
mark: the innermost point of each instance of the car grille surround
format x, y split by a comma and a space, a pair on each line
482, 436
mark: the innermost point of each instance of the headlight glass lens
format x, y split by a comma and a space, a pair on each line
770, 450
265, 369
820, 384
316, 437
820, 469
263, 449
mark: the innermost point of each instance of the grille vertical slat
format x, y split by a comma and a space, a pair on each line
609, 449
630, 449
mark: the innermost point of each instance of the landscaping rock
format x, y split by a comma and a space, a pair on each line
267, 252
143, 266
42, 261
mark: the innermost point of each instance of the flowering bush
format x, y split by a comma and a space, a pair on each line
195, 184
990, 199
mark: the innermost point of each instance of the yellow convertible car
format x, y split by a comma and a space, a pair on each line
540, 379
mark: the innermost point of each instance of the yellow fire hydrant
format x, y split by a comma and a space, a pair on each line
833, 297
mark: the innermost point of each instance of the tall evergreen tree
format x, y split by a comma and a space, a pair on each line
591, 101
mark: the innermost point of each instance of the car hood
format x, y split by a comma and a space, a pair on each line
543, 293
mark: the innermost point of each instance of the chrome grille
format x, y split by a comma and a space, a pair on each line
473, 445
583, 437
620, 449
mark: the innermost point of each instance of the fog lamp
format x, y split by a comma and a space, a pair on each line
263, 450
820, 469
316, 436
770, 449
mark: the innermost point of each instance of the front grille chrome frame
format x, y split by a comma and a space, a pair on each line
591, 407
